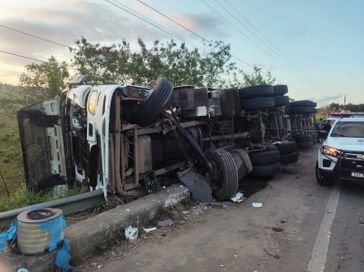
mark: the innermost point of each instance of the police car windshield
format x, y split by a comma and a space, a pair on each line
348, 129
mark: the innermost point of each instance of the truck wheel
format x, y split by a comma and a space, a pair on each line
301, 109
315, 138
266, 170
303, 103
151, 108
286, 147
264, 157
256, 91
280, 101
304, 141
289, 158
322, 179
228, 181
280, 89
258, 103
245, 158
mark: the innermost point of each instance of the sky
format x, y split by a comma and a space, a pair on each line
315, 47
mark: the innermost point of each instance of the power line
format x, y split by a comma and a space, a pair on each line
138, 15
242, 33
235, 27
21, 56
33, 36
143, 18
174, 21
264, 39
271, 52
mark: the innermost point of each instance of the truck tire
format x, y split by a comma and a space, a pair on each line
280, 89
264, 157
289, 158
280, 101
303, 103
286, 147
256, 91
303, 138
304, 141
301, 109
315, 138
151, 108
227, 185
258, 103
266, 170
243, 162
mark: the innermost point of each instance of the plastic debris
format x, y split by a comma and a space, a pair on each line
8, 235
22, 269
165, 222
147, 230
238, 198
63, 256
131, 233
221, 205
257, 204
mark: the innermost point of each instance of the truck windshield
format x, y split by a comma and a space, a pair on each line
348, 129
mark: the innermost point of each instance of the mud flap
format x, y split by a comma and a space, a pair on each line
197, 184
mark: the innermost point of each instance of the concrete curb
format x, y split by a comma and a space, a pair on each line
96, 233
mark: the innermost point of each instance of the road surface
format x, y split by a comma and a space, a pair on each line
301, 227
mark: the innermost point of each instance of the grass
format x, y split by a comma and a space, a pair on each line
11, 160
24, 197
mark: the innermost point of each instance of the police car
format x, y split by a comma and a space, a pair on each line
342, 153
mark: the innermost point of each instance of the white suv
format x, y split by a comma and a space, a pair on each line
342, 153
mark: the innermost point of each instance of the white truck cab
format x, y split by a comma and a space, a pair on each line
342, 153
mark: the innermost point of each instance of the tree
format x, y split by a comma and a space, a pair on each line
257, 78
45, 80
177, 62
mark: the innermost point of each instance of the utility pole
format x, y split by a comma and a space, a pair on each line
344, 101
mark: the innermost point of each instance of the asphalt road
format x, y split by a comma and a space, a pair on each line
301, 227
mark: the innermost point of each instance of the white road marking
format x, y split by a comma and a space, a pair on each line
319, 252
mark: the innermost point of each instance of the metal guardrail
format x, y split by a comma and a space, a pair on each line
68, 205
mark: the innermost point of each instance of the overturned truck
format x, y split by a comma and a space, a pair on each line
127, 139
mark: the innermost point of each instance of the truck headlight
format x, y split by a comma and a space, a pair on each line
330, 151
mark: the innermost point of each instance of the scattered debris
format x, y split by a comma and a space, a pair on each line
197, 184
238, 198
275, 256
185, 212
283, 221
257, 204
165, 222
221, 205
94, 264
131, 233
147, 230
175, 215
277, 229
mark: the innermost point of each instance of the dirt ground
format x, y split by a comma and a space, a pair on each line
287, 234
